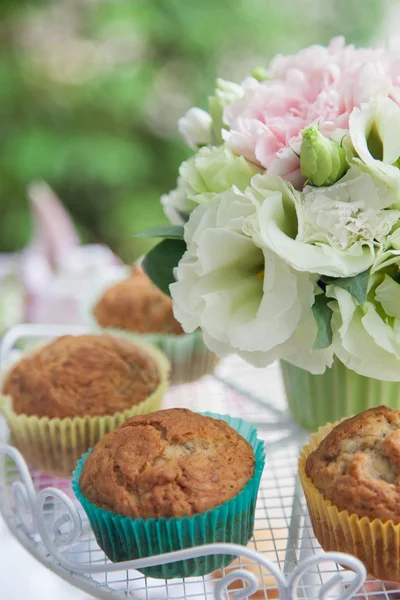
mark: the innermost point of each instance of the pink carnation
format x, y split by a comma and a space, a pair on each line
317, 85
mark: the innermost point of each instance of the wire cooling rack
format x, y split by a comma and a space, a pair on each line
283, 533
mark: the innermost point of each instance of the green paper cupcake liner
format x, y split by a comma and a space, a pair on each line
189, 356
123, 538
54, 446
315, 400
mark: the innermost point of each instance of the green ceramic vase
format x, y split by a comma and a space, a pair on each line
315, 400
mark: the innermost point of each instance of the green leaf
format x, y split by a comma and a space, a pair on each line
322, 315
168, 232
357, 286
161, 260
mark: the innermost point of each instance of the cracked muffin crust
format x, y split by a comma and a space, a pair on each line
87, 375
137, 305
357, 466
171, 463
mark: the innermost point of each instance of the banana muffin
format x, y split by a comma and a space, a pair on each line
61, 398
82, 375
136, 308
172, 480
172, 463
357, 466
137, 305
350, 473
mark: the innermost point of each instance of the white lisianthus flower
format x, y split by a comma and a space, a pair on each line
367, 338
226, 93
300, 351
195, 127
375, 134
390, 253
244, 298
353, 211
177, 206
214, 170
331, 230
207, 173
297, 351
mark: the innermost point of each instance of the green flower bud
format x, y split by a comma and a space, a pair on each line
322, 161
260, 74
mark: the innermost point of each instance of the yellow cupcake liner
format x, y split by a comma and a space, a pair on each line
54, 445
375, 543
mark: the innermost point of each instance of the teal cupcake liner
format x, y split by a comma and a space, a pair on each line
123, 538
189, 356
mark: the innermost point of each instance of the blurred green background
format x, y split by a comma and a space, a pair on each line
91, 90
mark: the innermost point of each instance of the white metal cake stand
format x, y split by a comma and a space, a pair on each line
283, 559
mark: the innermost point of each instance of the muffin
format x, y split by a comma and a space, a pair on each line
351, 478
171, 480
62, 397
135, 306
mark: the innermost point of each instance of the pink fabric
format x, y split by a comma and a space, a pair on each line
57, 272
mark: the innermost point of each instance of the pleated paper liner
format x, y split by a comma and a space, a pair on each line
375, 543
54, 445
189, 356
315, 400
123, 538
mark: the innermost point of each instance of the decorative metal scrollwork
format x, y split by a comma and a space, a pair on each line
29, 509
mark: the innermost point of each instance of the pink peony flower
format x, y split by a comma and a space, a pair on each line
318, 85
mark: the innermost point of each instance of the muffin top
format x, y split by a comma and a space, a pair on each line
137, 305
82, 375
357, 466
171, 463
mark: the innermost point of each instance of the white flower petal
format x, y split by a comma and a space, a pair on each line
214, 170
384, 115
244, 298
314, 361
195, 127
362, 340
209, 172
272, 228
177, 205
355, 210
388, 295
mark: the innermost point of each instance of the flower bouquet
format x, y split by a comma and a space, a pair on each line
285, 236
